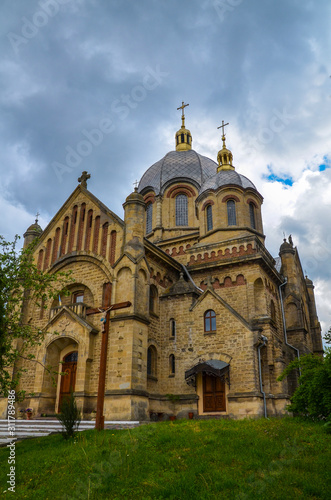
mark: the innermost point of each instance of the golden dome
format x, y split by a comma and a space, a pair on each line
183, 136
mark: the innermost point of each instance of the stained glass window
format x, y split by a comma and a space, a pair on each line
231, 206
181, 210
209, 218
252, 215
71, 357
149, 218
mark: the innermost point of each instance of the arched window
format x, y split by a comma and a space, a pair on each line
64, 235
48, 253
209, 215
104, 238
56, 245
96, 234
153, 299
181, 210
112, 247
72, 357
252, 215
81, 226
259, 297
78, 297
72, 228
151, 361
231, 208
89, 221
210, 321
40, 259
172, 364
149, 218
172, 328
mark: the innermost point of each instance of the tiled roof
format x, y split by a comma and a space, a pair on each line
178, 165
189, 165
225, 177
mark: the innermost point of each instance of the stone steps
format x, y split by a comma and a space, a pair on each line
43, 427
212, 417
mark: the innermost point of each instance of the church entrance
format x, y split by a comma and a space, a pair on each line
69, 366
213, 393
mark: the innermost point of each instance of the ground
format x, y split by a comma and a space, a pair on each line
249, 459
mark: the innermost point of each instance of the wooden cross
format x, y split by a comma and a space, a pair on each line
222, 127
99, 418
83, 178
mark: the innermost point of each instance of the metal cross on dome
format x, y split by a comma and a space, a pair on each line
222, 127
182, 107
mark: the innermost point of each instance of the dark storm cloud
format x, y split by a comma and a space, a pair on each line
68, 67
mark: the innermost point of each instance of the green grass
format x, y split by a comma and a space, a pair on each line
263, 459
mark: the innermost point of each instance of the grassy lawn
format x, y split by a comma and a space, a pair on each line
272, 459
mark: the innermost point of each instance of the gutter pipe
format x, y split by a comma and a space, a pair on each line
264, 343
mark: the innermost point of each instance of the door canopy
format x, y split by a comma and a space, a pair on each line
213, 367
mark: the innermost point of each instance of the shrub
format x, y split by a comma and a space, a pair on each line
69, 417
312, 398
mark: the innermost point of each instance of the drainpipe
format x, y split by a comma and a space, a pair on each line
284, 323
190, 278
264, 341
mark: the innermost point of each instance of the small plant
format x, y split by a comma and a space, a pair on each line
69, 417
327, 426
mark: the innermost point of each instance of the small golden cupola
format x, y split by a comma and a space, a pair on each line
183, 135
224, 157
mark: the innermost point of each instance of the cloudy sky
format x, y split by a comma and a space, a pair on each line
94, 85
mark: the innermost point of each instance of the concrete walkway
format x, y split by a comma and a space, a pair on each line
43, 427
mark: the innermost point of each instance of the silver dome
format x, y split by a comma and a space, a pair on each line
176, 166
224, 178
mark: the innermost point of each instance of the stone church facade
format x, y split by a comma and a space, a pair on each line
202, 318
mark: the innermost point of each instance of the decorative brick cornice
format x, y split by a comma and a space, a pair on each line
177, 251
220, 255
180, 188
208, 202
227, 282
250, 200
149, 198
230, 197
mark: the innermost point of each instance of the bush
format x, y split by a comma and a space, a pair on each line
312, 398
69, 417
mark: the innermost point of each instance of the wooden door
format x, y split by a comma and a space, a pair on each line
68, 380
213, 394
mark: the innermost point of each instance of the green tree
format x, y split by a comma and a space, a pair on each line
313, 396
20, 282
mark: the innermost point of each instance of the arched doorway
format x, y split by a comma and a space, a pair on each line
69, 366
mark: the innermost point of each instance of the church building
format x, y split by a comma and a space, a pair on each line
201, 318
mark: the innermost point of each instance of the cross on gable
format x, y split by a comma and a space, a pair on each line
83, 178
209, 282
222, 127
